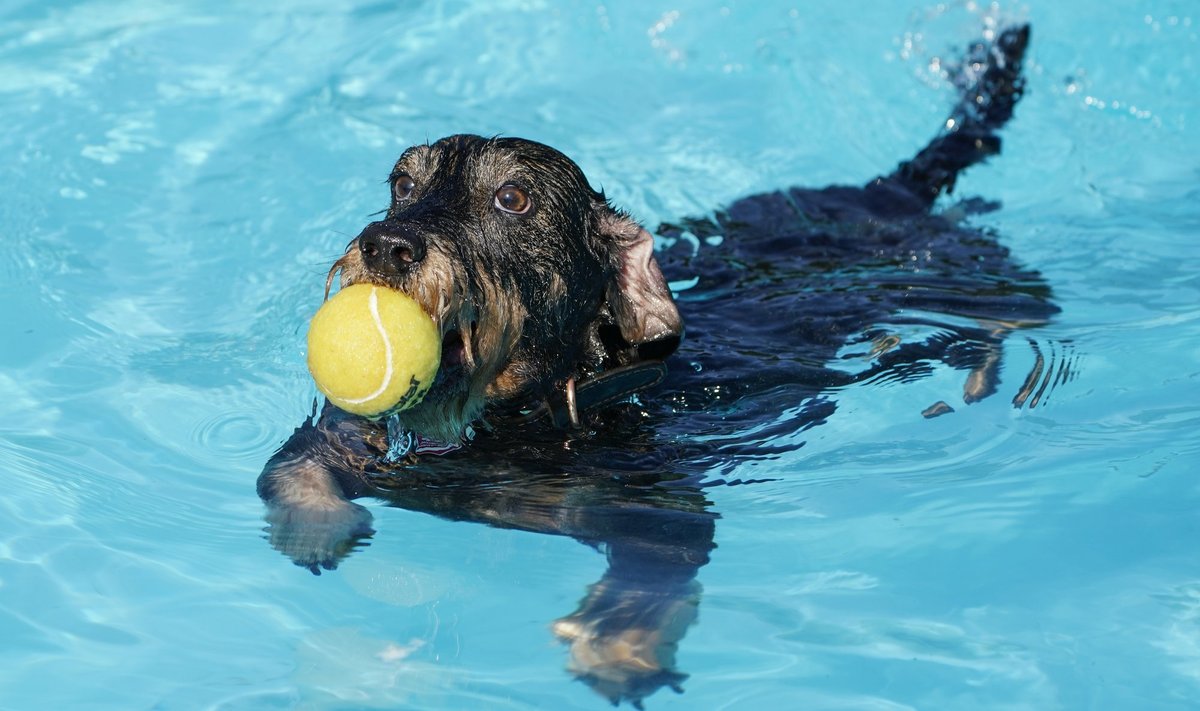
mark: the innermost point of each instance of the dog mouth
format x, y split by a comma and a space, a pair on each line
457, 359
457, 390
454, 322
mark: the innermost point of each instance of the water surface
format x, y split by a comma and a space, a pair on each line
179, 175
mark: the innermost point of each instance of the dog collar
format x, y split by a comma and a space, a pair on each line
563, 409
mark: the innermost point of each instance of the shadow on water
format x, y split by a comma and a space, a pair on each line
790, 286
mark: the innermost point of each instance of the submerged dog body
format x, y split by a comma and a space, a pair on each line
554, 309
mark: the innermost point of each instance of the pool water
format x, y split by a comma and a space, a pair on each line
178, 176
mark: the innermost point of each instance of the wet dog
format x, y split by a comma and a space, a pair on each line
558, 323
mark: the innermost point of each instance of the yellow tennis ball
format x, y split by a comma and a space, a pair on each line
373, 350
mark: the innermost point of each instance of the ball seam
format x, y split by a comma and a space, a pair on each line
373, 307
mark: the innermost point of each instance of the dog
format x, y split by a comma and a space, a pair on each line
553, 409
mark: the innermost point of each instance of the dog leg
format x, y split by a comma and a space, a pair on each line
623, 637
310, 518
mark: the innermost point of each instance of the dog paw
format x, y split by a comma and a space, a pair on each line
318, 538
621, 665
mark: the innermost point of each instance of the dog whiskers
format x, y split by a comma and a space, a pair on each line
333, 270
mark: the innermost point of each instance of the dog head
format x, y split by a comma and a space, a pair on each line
531, 276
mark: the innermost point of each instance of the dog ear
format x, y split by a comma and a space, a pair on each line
638, 296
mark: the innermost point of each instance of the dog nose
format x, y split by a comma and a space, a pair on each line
390, 249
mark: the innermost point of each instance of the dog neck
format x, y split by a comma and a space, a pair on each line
562, 409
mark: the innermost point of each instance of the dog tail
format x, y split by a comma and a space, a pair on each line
991, 83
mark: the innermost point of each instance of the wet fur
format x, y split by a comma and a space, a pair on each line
528, 291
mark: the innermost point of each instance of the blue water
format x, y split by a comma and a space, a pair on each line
177, 177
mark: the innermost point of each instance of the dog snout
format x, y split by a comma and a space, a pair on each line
389, 249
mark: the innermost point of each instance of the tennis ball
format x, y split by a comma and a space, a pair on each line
373, 350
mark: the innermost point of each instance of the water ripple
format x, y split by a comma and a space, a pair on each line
234, 435
1060, 365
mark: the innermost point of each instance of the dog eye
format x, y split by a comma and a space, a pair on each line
403, 186
512, 199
